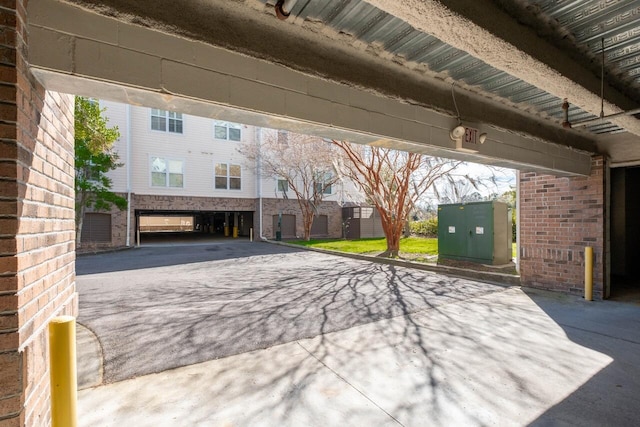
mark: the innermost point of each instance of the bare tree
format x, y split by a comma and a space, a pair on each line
477, 183
393, 181
305, 162
459, 191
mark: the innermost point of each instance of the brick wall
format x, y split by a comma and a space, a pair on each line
558, 218
272, 207
118, 229
186, 203
37, 279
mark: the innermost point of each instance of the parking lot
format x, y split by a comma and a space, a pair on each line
261, 334
158, 308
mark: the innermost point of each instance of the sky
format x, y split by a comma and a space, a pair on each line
491, 180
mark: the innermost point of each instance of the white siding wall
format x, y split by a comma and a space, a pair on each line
196, 147
342, 192
199, 151
116, 115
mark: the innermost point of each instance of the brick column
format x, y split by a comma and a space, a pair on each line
37, 279
558, 218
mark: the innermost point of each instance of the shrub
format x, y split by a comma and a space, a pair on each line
426, 228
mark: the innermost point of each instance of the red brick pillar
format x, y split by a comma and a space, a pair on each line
558, 218
37, 279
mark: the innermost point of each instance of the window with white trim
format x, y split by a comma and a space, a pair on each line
92, 171
283, 138
228, 176
227, 130
167, 172
283, 185
323, 184
166, 121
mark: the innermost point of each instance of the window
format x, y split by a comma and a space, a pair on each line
327, 189
175, 122
366, 212
322, 183
167, 172
166, 121
283, 137
283, 185
92, 171
234, 177
228, 177
226, 130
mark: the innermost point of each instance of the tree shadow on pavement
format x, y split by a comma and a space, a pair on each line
174, 255
229, 310
353, 343
611, 331
235, 309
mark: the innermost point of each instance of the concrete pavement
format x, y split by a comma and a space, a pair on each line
511, 357
155, 309
89, 364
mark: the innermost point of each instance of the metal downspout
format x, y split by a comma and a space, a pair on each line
518, 210
128, 133
259, 178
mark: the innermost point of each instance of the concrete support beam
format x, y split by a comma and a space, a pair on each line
123, 62
482, 29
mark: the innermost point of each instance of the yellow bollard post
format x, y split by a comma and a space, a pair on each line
251, 234
235, 232
64, 383
588, 273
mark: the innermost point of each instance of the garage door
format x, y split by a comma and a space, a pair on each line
320, 226
288, 226
96, 228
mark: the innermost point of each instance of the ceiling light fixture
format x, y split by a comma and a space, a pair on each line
466, 139
457, 132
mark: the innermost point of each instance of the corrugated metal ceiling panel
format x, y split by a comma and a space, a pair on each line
588, 20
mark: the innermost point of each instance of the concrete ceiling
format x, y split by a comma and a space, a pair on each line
512, 62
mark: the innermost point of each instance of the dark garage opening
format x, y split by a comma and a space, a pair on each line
191, 226
625, 233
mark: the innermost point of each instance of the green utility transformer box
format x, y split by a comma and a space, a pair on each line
477, 232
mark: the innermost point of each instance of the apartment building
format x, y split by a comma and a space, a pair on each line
185, 174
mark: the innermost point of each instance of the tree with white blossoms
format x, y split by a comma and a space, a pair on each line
306, 163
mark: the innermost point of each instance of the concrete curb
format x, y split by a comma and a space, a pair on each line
98, 251
483, 276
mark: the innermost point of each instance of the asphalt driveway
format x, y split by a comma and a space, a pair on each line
158, 308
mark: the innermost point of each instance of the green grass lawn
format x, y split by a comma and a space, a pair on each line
412, 245
408, 245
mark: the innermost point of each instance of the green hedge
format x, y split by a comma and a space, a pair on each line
429, 227
426, 228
